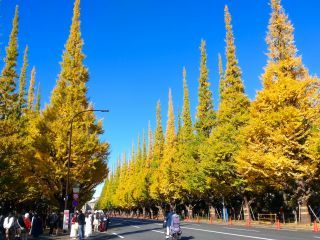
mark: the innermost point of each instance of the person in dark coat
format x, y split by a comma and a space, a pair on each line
36, 226
53, 221
2, 232
168, 223
81, 222
21, 229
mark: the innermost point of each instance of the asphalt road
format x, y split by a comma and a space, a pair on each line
135, 229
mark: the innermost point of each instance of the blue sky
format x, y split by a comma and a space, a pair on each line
136, 50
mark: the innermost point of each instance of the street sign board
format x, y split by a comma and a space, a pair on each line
65, 219
75, 196
75, 203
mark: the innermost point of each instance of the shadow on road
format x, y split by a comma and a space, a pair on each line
186, 238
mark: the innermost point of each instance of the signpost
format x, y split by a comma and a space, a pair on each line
66, 219
75, 203
75, 189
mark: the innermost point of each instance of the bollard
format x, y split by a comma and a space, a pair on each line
315, 226
230, 221
278, 225
248, 223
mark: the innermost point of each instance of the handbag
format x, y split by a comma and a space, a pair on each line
76, 226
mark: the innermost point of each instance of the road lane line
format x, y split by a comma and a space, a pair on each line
316, 237
157, 231
160, 224
136, 227
118, 235
240, 229
225, 233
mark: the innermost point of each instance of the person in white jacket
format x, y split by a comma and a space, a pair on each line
8, 225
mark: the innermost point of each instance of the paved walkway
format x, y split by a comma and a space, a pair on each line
64, 236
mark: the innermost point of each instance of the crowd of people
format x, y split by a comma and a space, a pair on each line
15, 226
84, 224
19, 226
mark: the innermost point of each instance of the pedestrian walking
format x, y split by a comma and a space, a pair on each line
9, 228
59, 223
81, 222
27, 222
53, 221
2, 232
88, 227
36, 226
74, 226
168, 222
95, 222
21, 230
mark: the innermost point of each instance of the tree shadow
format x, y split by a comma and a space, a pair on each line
187, 238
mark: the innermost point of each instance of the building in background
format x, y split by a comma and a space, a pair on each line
88, 206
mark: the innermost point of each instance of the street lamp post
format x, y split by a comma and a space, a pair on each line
69, 155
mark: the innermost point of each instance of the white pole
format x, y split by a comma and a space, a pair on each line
313, 213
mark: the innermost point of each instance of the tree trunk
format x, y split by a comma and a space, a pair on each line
161, 213
190, 211
143, 212
212, 212
246, 209
305, 216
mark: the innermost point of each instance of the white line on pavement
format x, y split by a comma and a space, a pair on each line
240, 229
160, 224
136, 226
316, 237
157, 231
231, 234
118, 235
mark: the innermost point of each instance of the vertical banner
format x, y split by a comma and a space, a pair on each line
66, 219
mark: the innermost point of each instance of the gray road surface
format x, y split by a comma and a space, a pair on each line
135, 229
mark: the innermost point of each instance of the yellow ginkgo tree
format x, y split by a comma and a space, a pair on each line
275, 150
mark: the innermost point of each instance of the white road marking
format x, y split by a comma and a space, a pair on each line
136, 227
241, 229
118, 235
160, 224
316, 237
225, 233
157, 231
196, 224
290, 230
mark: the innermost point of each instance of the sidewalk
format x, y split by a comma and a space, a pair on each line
256, 224
65, 236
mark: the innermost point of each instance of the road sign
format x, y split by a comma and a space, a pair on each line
75, 203
75, 196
